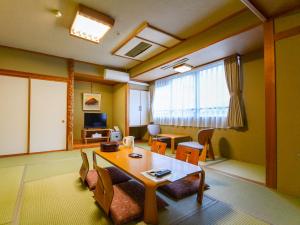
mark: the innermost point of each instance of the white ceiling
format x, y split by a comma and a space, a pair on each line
30, 25
242, 43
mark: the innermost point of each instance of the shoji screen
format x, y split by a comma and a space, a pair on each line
13, 115
48, 109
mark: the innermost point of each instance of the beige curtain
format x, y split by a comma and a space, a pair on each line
151, 90
233, 78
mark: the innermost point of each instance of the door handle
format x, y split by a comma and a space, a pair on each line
63, 121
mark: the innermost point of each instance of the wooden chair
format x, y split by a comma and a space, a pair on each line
203, 145
123, 202
159, 147
87, 176
187, 154
90, 177
191, 184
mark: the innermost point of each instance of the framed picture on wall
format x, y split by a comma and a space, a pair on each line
91, 101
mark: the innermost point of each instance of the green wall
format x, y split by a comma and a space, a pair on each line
90, 69
106, 92
247, 144
119, 106
13, 59
288, 109
288, 21
19, 60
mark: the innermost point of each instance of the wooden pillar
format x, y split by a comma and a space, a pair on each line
270, 104
126, 132
70, 104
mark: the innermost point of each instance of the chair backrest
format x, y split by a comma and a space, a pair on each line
94, 159
187, 154
205, 135
153, 129
84, 169
159, 147
104, 191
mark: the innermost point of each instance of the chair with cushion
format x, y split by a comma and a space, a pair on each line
191, 184
123, 202
158, 147
90, 176
203, 145
154, 130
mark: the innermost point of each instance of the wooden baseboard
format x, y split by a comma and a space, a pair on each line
88, 145
31, 153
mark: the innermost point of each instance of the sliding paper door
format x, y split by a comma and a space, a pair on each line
13, 115
48, 115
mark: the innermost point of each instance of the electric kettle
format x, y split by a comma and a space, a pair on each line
128, 141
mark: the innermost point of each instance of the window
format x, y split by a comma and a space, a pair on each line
199, 98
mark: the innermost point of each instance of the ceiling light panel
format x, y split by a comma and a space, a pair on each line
173, 64
90, 24
182, 68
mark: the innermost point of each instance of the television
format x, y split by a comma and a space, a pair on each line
95, 120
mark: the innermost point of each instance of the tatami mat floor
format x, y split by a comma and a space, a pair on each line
45, 189
245, 170
248, 171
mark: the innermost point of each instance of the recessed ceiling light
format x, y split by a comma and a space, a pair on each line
58, 13
182, 68
90, 24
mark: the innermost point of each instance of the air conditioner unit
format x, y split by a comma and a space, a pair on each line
116, 75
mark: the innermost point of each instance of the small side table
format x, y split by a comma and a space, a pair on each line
173, 137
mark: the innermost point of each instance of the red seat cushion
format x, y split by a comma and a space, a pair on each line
117, 176
183, 187
128, 202
91, 179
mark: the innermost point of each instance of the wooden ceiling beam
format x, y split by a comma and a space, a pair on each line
254, 10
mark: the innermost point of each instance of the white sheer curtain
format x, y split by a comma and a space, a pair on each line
199, 98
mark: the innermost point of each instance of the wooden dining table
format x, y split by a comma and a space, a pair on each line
136, 166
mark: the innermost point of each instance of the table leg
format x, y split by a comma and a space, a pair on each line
201, 187
150, 208
173, 145
150, 140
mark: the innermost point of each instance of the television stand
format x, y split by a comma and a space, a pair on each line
86, 135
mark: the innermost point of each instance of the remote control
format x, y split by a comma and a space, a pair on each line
162, 173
